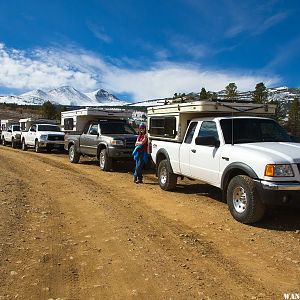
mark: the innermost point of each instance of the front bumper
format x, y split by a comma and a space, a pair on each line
279, 193
120, 153
52, 144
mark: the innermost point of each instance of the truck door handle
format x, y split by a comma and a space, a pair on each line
193, 150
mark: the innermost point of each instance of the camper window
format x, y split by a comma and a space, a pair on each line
68, 124
161, 126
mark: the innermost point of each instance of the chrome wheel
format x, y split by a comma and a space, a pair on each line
71, 153
163, 175
239, 199
102, 160
24, 147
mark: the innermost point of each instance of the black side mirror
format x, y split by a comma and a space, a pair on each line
207, 141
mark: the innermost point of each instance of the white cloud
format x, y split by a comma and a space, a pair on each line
99, 33
166, 79
50, 68
188, 46
23, 71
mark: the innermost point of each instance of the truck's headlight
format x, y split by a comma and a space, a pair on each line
44, 137
117, 143
279, 171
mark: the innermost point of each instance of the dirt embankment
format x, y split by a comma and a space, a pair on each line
73, 232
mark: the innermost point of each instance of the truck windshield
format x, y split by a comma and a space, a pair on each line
16, 128
48, 128
116, 128
251, 130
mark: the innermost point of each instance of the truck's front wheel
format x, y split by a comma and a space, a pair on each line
37, 147
105, 162
24, 146
166, 179
13, 143
243, 200
74, 156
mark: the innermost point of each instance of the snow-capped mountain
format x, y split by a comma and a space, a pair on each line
105, 98
65, 95
283, 95
35, 97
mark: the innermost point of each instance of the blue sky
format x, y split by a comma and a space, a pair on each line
140, 49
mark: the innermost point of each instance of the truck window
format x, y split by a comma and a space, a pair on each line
190, 133
33, 128
16, 128
68, 124
116, 128
93, 129
163, 126
48, 128
251, 130
208, 128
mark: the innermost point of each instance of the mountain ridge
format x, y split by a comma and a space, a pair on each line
69, 96
64, 95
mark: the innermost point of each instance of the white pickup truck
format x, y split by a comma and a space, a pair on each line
251, 159
43, 136
11, 135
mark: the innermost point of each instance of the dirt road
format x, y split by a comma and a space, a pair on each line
73, 232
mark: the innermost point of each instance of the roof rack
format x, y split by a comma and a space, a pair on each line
214, 107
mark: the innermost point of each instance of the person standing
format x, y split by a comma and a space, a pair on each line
140, 154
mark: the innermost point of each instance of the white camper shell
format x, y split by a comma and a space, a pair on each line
6, 123
26, 123
169, 122
76, 120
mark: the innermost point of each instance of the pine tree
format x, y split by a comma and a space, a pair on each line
231, 91
48, 110
214, 96
294, 118
203, 94
260, 95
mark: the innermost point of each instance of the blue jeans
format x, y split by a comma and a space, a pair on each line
139, 168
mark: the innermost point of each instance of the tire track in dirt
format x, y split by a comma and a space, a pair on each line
166, 244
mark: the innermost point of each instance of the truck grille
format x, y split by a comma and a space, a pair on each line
130, 144
56, 138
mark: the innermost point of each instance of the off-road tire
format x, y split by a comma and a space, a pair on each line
36, 147
24, 146
105, 162
49, 149
166, 178
243, 200
74, 156
13, 144
4, 142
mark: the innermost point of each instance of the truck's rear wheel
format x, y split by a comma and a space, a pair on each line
74, 156
105, 162
166, 179
243, 200
37, 148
